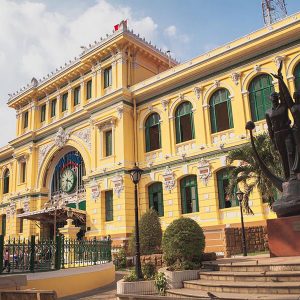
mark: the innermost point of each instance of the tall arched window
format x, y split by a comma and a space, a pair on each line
152, 132
189, 194
297, 77
6, 182
220, 111
223, 181
156, 201
260, 89
184, 122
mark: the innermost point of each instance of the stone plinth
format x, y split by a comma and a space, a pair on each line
69, 231
284, 236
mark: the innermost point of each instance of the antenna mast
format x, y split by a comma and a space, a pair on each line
273, 11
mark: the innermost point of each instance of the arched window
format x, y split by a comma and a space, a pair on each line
223, 181
260, 89
189, 194
220, 111
297, 77
152, 132
6, 182
156, 201
184, 122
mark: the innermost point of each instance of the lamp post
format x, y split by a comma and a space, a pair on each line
135, 175
240, 196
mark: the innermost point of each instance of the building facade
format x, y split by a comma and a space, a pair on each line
123, 101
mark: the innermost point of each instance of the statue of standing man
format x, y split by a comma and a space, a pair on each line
294, 107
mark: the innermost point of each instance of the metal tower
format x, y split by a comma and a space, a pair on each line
273, 11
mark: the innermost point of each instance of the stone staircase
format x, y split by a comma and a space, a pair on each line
244, 280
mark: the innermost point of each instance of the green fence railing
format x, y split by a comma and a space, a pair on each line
33, 255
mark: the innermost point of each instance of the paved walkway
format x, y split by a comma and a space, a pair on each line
106, 292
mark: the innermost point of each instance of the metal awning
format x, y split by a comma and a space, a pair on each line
47, 215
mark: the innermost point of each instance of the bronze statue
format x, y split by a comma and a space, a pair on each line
287, 142
294, 107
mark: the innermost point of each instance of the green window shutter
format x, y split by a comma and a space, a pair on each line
220, 190
213, 118
64, 102
23, 170
192, 125
297, 77
109, 206
178, 130
260, 90
156, 197
152, 132
229, 109
82, 205
182, 111
6, 182
77, 95
107, 77
43, 113
108, 143
89, 89
25, 124
53, 108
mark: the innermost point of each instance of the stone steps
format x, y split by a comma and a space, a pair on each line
266, 276
252, 267
244, 287
198, 294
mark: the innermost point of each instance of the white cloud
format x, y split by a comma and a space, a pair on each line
170, 31
34, 40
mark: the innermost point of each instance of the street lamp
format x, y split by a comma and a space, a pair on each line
135, 175
240, 196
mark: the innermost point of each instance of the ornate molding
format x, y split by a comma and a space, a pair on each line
85, 135
204, 170
257, 68
164, 103
95, 189
43, 150
118, 184
169, 179
278, 59
236, 77
197, 91
216, 84
120, 111
61, 137
106, 124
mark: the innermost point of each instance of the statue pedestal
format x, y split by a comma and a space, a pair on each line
284, 236
69, 231
289, 204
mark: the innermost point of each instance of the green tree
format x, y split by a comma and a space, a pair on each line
248, 173
183, 244
150, 234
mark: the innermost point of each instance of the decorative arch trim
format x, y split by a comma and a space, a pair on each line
292, 65
144, 116
180, 99
210, 91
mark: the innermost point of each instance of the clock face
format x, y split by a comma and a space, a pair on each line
68, 180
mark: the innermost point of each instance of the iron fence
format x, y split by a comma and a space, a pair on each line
33, 255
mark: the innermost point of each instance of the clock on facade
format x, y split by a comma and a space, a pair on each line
68, 180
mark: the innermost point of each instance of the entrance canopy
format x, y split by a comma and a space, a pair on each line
48, 215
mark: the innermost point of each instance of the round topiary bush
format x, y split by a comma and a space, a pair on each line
183, 243
150, 234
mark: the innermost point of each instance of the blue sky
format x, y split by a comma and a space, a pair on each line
38, 36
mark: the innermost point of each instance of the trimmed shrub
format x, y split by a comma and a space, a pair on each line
183, 244
120, 259
130, 277
150, 234
148, 270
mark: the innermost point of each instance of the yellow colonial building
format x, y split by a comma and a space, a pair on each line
123, 101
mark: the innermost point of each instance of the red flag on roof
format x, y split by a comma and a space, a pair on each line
118, 26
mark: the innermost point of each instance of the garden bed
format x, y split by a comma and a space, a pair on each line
142, 287
175, 278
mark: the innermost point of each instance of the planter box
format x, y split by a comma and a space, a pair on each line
175, 278
146, 287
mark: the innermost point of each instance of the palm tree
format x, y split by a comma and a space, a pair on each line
248, 173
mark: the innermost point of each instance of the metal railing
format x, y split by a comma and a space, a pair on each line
33, 255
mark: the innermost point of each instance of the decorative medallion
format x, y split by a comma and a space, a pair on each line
169, 179
61, 137
164, 103
85, 135
95, 190
118, 184
278, 60
204, 170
